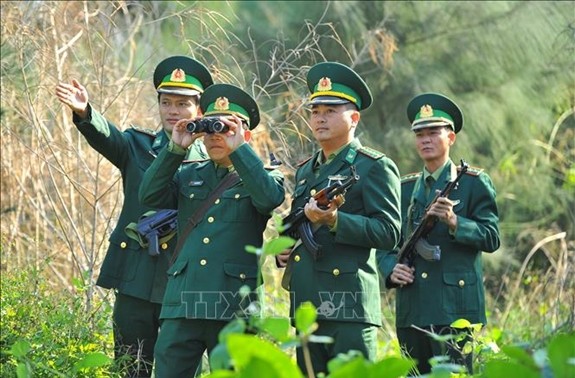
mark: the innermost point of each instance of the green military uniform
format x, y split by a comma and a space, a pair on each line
204, 282
343, 282
452, 288
138, 278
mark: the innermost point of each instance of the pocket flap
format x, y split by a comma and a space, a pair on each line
338, 266
178, 268
459, 278
241, 271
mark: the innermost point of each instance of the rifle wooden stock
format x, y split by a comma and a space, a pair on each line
296, 224
409, 250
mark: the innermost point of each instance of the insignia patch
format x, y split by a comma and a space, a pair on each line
178, 75
426, 111
324, 84
222, 103
196, 183
301, 182
410, 177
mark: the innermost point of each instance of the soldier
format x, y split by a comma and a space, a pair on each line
223, 205
342, 280
431, 295
139, 279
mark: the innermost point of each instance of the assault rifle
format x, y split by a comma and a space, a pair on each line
417, 243
157, 226
296, 224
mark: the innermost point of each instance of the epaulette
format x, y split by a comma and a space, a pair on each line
303, 162
374, 154
194, 161
410, 177
144, 131
473, 171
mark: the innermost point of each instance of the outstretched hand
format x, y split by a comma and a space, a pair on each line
75, 96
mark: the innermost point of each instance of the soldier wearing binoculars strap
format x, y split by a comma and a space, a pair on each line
139, 279
342, 282
212, 265
432, 294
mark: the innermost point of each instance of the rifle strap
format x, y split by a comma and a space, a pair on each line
230, 180
286, 278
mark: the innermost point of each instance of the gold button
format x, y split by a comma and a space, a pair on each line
461, 283
296, 258
424, 275
336, 272
164, 245
237, 195
123, 245
242, 276
217, 201
203, 262
210, 219
206, 240
192, 195
313, 192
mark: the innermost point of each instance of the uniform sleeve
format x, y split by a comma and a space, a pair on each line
265, 187
159, 186
103, 136
481, 228
380, 224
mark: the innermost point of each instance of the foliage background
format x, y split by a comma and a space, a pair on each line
509, 65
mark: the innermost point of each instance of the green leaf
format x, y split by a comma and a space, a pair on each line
357, 367
257, 368
20, 348
561, 353
23, 370
391, 367
244, 348
252, 249
461, 324
278, 245
305, 317
508, 369
520, 355
235, 326
278, 328
92, 360
220, 357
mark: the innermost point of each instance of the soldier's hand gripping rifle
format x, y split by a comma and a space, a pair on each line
296, 224
417, 242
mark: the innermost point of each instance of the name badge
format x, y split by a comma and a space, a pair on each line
196, 183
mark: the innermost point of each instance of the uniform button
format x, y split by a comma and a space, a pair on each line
206, 240
424, 275
336, 272
217, 201
296, 258
242, 276
203, 262
123, 245
461, 283
313, 192
164, 245
237, 196
210, 219
192, 195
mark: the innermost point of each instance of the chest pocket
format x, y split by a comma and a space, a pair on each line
237, 204
193, 196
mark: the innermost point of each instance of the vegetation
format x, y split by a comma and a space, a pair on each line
508, 64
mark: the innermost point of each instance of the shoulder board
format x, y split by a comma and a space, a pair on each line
303, 162
271, 167
144, 131
194, 161
472, 171
410, 177
374, 154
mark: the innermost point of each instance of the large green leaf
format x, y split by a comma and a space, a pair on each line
305, 316
561, 354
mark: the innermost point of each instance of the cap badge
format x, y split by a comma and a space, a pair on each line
426, 111
222, 103
178, 75
324, 84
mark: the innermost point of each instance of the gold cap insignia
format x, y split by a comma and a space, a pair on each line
222, 103
324, 84
178, 75
426, 111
